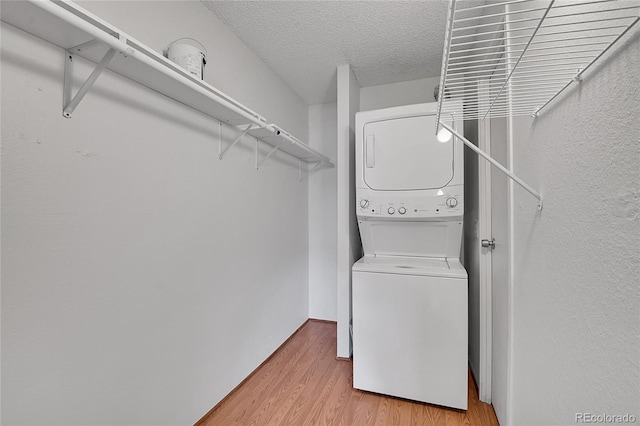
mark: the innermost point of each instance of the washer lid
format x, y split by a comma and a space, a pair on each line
404, 265
403, 154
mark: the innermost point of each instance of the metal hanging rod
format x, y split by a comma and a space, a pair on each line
495, 163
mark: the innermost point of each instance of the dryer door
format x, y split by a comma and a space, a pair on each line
403, 154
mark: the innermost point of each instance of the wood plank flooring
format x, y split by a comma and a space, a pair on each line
304, 384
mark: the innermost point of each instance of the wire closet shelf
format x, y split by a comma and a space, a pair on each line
513, 58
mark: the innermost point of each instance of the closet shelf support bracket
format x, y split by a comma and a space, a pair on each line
235, 141
308, 171
499, 166
70, 105
84, 46
260, 162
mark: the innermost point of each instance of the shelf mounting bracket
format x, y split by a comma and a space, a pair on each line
499, 166
260, 162
235, 141
84, 46
308, 171
70, 105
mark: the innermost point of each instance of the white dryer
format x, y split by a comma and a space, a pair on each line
409, 294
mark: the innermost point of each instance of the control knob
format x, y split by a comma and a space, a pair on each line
402, 210
391, 210
451, 202
364, 203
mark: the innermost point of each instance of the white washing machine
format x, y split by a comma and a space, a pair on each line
409, 294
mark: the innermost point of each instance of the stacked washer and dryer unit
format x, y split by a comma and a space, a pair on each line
409, 291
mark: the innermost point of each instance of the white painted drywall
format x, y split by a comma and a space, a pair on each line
349, 247
142, 277
396, 94
323, 215
576, 328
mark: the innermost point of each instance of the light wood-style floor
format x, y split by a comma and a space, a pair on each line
304, 384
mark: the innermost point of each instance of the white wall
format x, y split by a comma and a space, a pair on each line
142, 277
576, 334
396, 94
322, 215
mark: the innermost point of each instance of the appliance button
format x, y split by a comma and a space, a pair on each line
451, 202
402, 210
364, 203
391, 210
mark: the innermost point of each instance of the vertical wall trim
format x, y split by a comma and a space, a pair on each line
342, 164
510, 286
486, 313
510, 231
348, 247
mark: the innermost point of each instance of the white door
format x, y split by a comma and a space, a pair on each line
484, 276
499, 269
493, 275
478, 259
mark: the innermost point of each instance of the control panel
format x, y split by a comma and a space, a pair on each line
439, 204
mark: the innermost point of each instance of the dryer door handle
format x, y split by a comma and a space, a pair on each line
370, 151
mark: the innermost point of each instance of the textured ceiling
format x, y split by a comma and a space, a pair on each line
303, 41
